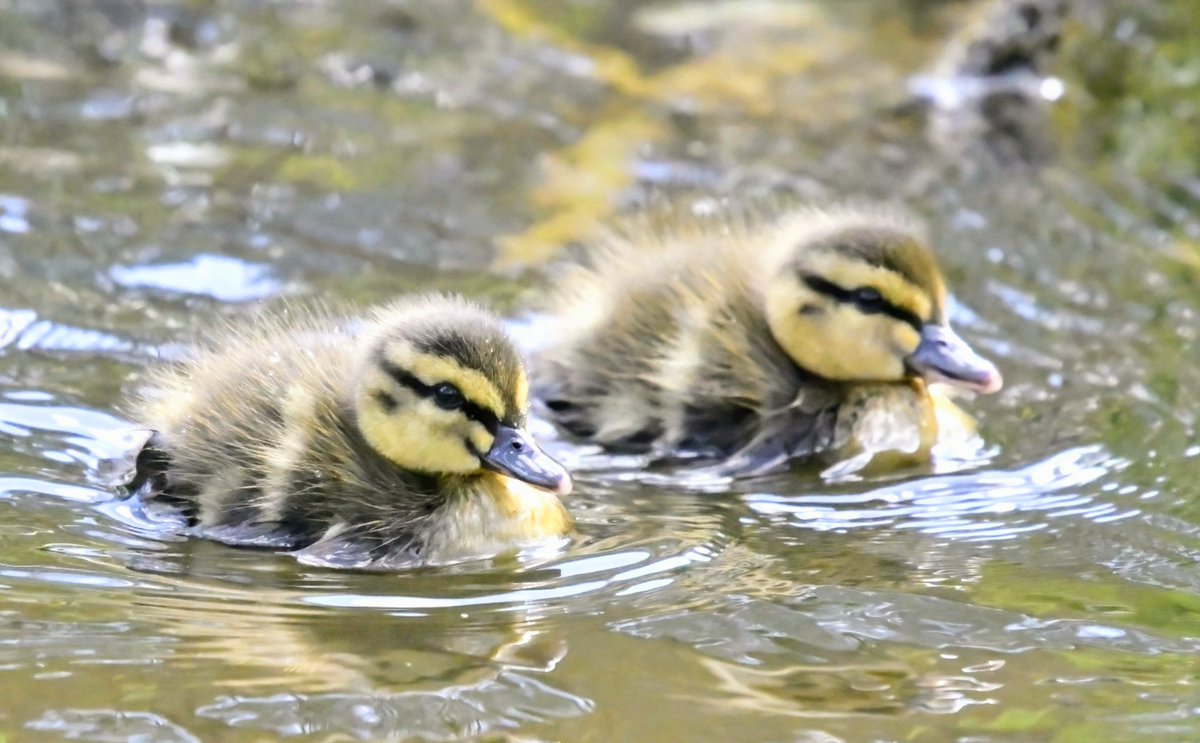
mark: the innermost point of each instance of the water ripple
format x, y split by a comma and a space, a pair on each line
611, 572
962, 506
22, 330
110, 726
503, 703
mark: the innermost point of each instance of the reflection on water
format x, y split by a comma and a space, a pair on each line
163, 165
110, 726
503, 704
622, 574
982, 506
219, 277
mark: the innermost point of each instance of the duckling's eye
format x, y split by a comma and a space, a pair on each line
869, 300
447, 397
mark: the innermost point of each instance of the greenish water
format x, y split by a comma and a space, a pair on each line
163, 163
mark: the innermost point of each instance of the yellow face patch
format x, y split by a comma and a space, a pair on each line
835, 340
406, 417
480, 437
851, 274
419, 437
432, 370
905, 338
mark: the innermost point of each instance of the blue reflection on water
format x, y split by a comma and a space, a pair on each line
217, 276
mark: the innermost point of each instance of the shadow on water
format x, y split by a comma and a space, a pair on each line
165, 165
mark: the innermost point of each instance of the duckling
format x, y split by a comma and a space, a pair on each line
395, 440
754, 343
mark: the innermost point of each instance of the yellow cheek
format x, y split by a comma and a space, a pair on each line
416, 440
480, 438
860, 347
843, 344
905, 338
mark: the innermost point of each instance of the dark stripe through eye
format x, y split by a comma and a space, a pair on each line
868, 300
448, 397
386, 400
441, 395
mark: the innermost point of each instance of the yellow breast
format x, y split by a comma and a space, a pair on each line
492, 515
891, 426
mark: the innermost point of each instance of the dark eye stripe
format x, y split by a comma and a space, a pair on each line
848, 296
472, 410
386, 400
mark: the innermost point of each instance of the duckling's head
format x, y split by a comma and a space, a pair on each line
442, 390
857, 296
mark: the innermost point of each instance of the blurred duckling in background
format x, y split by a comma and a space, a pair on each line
814, 332
395, 440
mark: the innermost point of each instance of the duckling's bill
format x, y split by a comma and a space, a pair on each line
514, 453
943, 356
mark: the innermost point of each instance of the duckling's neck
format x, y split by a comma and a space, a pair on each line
491, 514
